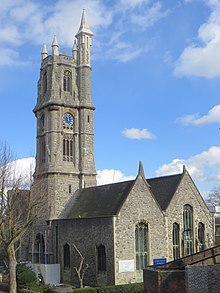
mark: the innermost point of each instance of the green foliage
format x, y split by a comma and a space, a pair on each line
128, 288
48, 288
25, 276
85, 290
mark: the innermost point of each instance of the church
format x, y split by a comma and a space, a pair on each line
117, 229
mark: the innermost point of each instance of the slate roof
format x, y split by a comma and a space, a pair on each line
99, 201
164, 188
106, 200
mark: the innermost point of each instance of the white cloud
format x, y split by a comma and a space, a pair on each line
21, 171
37, 22
24, 169
131, 4
123, 52
203, 167
107, 176
150, 16
29, 21
10, 57
135, 133
203, 60
213, 116
10, 35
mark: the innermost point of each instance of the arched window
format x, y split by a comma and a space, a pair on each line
101, 258
141, 246
187, 229
176, 241
68, 148
66, 256
45, 82
201, 236
67, 79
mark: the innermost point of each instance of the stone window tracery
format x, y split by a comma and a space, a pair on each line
141, 246
67, 79
68, 147
187, 229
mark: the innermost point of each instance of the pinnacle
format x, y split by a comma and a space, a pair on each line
84, 28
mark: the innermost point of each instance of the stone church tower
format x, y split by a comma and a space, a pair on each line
65, 124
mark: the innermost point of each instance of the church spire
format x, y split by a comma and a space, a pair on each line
84, 42
84, 28
55, 46
44, 52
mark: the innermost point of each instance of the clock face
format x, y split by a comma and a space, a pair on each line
68, 119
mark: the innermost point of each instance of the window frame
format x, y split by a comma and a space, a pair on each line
176, 240
188, 239
141, 245
67, 81
66, 257
201, 236
101, 259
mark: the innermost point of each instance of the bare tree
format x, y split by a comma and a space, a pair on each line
81, 269
214, 197
16, 208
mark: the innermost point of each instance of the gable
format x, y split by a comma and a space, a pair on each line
164, 188
187, 193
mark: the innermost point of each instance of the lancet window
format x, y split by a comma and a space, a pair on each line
187, 229
141, 246
66, 256
176, 241
67, 79
101, 258
68, 147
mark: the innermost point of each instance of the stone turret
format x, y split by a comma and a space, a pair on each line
55, 47
44, 52
84, 41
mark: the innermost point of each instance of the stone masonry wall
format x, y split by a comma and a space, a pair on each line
87, 235
139, 206
187, 193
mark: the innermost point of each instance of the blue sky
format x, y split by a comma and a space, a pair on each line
155, 81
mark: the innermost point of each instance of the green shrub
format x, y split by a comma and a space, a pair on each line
25, 276
85, 290
48, 288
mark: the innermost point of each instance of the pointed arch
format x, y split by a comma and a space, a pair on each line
101, 256
176, 241
187, 229
66, 256
141, 245
67, 81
